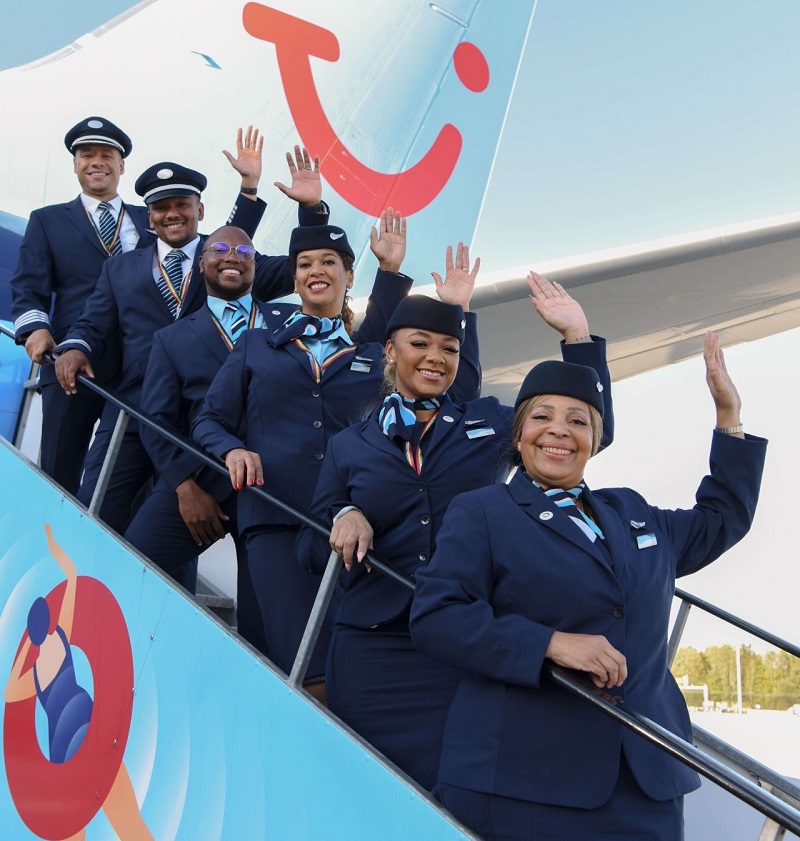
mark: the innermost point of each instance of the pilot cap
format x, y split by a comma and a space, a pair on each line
426, 313
100, 131
167, 179
319, 236
551, 377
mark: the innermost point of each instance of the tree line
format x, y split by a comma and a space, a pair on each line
770, 680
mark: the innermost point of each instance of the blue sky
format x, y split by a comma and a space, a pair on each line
633, 121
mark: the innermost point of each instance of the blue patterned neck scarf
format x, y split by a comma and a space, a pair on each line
565, 498
398, 416
299, 324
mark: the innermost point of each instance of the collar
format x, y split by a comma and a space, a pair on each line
91, 204
189, 249
217, 305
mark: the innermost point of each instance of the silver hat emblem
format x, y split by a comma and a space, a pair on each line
95, 124
165, 173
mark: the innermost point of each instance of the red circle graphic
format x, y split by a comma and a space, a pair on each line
471, 67
58, 800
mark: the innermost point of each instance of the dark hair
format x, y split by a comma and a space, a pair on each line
348, 316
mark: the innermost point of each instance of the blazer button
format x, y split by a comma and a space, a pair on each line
421, 486
315, 392
317, 424
425, 520
423, 556
319, 456
617, 613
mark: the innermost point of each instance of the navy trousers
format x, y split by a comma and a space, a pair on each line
67, 425
158, 531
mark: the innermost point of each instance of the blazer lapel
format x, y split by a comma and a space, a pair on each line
144, 232
76, 213
144, 268
448, 421
373, 434
196, 294
205, 329
538, 507
617, 537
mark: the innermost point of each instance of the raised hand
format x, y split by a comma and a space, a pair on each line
247, 162
389, 246
306, 186
558, 308
459, 281
723, 392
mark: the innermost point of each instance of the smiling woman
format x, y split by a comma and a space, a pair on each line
385, 485
543, 569
280, 396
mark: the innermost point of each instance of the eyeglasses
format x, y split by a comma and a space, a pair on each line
245, 253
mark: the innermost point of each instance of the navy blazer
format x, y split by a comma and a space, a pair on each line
511, 568
187, 355
59, 261
469, 447
127, 304
266, 399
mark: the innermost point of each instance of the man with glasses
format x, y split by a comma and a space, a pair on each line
142, 291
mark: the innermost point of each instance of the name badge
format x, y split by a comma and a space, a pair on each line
645, 541
361, 365
480, 433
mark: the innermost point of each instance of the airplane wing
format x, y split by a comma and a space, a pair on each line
653, 302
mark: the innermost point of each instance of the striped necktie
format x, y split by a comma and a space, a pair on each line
238, 322
566, 499
174, 271
108, 229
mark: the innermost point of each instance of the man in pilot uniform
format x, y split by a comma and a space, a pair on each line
61, 257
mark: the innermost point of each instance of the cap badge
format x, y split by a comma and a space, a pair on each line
163, 174
337, 236
95, 124
599, 386
463, 323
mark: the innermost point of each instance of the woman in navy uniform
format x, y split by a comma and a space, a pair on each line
543, 568
387, 482
280, 396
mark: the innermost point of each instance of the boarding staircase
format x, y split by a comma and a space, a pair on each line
772, 795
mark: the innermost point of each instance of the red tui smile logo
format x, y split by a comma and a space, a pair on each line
410, 191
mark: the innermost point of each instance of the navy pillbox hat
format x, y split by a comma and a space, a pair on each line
426, 313
167, 179
565, 378
99, 131
319, 236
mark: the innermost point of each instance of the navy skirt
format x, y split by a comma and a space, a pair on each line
391, 695
628, 815
285, 593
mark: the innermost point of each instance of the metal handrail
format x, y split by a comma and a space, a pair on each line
737, 621
765, 802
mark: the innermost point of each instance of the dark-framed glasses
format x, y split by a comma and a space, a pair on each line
245, 253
